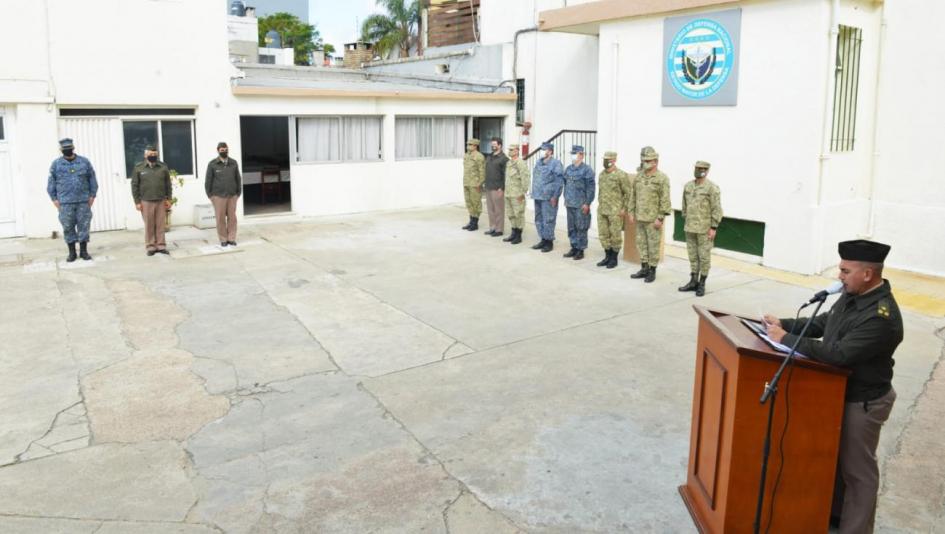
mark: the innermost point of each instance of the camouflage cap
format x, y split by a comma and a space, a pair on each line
649, 154
610, 154
66, 142
702, 164
646, 149
473, 141
513, 146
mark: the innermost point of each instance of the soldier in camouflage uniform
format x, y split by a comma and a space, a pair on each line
647, 206
578, 196
547, 182
474, 174
612, 201
702, 209
517, 182
72, 188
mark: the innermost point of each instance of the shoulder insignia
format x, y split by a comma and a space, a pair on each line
883, 309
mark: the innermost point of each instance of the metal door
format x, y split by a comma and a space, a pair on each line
102, 142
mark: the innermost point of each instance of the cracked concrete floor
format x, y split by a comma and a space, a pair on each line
377, 373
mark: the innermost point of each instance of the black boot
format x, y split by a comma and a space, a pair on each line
651, 274
473, 224
570, 253
490, 232
539, 245
517, 236
511, 236
644, 270
700, 289
613, 258
549, 246
468, 224
578, 255
72, 255
84, 251
606, 259
693, 283
496, 233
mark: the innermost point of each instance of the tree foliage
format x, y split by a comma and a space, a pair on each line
295, 34
393, 30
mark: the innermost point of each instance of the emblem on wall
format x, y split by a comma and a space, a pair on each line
700, 59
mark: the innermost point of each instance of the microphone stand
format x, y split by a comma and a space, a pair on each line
770, 393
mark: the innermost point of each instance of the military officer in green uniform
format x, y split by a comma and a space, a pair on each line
517, 182
647, 206
151, 192
613, 193
474, 174
702, 209
860, 332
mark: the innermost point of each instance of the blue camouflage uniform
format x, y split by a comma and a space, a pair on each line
547, 183
73, 183
579, 190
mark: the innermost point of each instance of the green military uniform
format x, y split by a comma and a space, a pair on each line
861, 333
150, 182
613, 193
517, 182
647, 203
474, 174
702, 210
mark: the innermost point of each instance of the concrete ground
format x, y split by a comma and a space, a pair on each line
380, 373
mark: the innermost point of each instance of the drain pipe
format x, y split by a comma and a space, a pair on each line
871, 219
515, 49
829, 87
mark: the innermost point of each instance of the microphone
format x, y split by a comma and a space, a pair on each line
822, 295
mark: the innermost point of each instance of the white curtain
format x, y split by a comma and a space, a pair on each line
413, 137
361, 138
448, 136
319, 139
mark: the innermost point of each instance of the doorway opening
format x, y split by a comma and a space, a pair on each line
266, 177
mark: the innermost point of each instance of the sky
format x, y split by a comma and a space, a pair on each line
339, 20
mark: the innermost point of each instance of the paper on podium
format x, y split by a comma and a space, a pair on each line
761, 332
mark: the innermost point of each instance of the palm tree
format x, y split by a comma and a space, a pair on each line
394, 30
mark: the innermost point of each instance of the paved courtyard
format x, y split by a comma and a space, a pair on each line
379, 373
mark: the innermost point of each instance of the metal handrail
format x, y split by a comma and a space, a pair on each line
555, 137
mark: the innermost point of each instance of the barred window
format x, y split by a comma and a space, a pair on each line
846, 89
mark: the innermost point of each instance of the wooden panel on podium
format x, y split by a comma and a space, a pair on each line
728, 430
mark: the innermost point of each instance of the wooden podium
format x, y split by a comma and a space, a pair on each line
728, 430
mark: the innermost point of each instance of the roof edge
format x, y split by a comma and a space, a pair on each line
568, 19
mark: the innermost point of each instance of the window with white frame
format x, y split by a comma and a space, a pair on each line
339, 138
429, 137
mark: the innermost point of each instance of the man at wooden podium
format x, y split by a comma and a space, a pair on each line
860, 332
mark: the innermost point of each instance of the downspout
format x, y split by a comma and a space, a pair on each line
828, 96
515, 49
829, 84
614, 92
51, 84
871, 219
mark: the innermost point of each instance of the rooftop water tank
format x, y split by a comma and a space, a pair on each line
237, 8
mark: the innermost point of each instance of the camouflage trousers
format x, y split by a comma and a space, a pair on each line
546, 216
699, 247
648, 242
75, 218
610, 231
578, 223
515, 209
473, 200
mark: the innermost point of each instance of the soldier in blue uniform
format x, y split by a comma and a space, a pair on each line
547, 182
72, 188
578, 196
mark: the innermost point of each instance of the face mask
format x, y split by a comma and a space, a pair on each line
224, 153
67, 152
152, 159
649, 165
608, 163
699, 174
548, 153
574, 158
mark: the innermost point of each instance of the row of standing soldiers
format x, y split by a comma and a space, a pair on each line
641, 199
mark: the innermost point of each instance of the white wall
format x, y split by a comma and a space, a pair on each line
335, 188
764, 151
909, 192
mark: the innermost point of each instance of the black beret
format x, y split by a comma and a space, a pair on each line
863, 250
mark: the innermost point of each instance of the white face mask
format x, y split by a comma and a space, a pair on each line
649, 165
574, 158
548, 153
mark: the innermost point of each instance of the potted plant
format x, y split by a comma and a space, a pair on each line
177, 181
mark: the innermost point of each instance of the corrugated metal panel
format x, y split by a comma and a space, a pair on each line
100, 140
